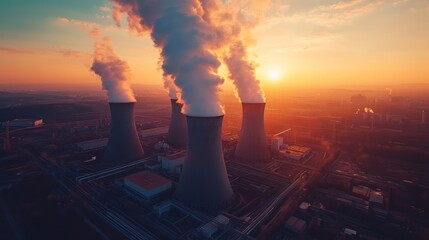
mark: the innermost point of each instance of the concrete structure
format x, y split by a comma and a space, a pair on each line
296, 152
177, 133
204, 183
252, 145
162, 207
92, 144
147, 184
169, 163
276, 143
209, 229
124, 143
153, 132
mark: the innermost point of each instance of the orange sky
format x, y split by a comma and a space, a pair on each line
349, 42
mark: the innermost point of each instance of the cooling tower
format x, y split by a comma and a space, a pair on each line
177, 135
204, 183
252, 145
124, 143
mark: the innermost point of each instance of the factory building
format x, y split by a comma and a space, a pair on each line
252, 146
295, 152
146, 184
153, 132
210, 228
204, 182
276, 143
173, 163
124, 144
177, 132
92, 144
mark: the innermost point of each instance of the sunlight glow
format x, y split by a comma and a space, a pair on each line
273, 75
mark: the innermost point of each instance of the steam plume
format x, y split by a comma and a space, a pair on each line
186, 42
236, 20
242, 72
114, 72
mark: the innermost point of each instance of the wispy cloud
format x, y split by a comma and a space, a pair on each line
397, 2
73, 53
15, 51
92, 28
335, 14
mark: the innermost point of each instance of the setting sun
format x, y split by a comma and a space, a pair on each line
273, 75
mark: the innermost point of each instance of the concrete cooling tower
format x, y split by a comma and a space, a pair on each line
124, 143
252, 145
204, 182
177, 132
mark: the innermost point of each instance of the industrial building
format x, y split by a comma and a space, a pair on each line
210, 228
124, 143
147, 184
276, 143
252, 146
172, 163
92, 144
153, 132
204, 182
295, 152
177, 132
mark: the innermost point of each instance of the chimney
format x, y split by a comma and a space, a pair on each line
124, 143
177, 133
423, 117
252, 145
204, 182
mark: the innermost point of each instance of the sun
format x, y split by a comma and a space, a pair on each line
273, 75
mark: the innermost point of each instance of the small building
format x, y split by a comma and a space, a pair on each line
296, 152
210, 228
295, 225
171, 163
162, 207
147, 184
361, 190
276, 143
153, 132
92, 144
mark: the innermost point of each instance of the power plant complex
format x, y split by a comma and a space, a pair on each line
177, 132
204, 182
124, 143
252, 145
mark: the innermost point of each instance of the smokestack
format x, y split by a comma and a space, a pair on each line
423, 117
252, 145
177, 135
124, 143
204, 182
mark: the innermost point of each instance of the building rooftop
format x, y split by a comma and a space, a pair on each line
147, 180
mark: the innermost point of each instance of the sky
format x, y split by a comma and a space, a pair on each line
303, 43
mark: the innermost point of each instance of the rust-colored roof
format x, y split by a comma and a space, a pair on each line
147, 180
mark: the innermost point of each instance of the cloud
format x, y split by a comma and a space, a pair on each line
15, 51
336, 14
73, 53
92, 28
397, 2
